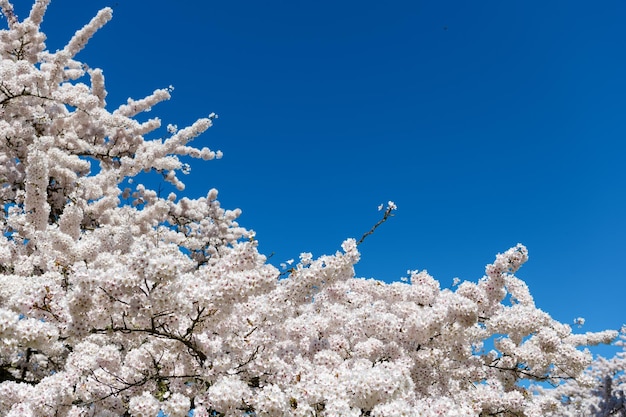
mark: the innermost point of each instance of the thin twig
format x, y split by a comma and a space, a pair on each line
387, 215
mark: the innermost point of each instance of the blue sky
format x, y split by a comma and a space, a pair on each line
489, 123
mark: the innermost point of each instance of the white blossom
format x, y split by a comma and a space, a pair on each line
117, 301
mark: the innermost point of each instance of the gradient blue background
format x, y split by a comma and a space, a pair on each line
489, 123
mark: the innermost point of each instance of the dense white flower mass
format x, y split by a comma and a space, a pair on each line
115, 301
600, 391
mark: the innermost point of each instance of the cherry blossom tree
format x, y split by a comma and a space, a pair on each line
116, 301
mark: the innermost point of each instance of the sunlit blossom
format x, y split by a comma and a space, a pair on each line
116, 300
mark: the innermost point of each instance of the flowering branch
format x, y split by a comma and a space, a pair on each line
386, 215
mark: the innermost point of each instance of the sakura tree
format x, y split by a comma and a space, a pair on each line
119, 302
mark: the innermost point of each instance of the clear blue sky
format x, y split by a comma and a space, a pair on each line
489, 123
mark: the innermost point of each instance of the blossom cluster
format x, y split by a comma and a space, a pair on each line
600, 391
117, 301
